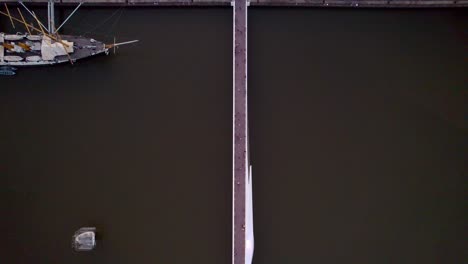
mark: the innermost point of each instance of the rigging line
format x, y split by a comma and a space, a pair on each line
116, 21
80, 31
80, 20
102, 23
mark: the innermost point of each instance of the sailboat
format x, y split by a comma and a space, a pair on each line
40, 45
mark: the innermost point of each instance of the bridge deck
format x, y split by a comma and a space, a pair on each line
240, 150
313, 3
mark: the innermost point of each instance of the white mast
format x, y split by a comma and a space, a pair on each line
51, 15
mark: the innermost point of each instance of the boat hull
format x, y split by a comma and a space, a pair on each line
82, 48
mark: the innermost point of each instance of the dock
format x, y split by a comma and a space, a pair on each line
299, 3
241, 160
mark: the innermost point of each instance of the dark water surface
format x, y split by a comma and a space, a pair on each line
358, 139
359, 135
138, 144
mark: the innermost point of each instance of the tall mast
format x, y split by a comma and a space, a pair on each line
51, 15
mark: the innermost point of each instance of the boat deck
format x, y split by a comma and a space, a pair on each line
82, 48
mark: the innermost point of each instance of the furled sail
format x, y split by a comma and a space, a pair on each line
51, 50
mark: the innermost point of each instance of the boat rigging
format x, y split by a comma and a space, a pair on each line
41, 45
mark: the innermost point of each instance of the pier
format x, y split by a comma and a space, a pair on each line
240, 132
304, 3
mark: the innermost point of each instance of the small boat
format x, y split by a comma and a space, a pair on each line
8, 68
34, 37
13, 58
7, 72
84, 239
33, 58
16, 37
